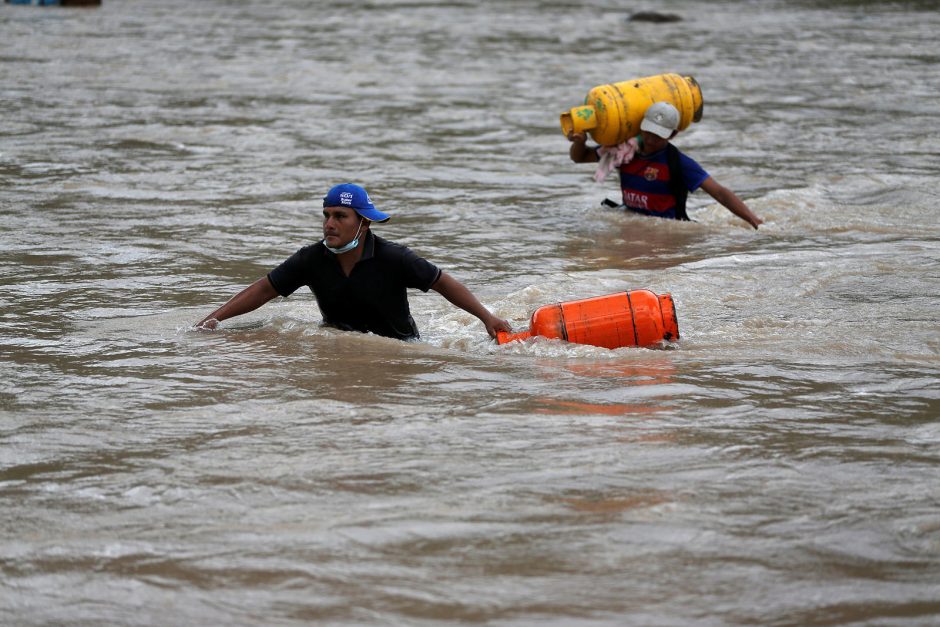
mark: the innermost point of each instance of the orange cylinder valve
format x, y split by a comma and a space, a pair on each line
636, 318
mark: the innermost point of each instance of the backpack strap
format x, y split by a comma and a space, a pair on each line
677, 181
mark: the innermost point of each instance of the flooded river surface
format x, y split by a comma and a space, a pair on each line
779, 464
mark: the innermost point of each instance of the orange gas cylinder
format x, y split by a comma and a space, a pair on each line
637, 318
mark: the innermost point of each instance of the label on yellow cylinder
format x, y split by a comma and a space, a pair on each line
582, 119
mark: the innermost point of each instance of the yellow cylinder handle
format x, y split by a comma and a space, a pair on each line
612, 113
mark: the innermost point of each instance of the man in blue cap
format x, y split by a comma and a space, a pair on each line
358, 279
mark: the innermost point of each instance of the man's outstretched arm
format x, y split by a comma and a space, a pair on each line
458, 294
249, 299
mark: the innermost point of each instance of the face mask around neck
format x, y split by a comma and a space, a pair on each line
348, 247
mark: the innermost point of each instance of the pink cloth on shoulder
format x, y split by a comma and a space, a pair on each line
612, 157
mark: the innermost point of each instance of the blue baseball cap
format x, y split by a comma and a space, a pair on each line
356, 197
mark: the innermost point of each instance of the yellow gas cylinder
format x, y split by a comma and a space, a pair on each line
612, 113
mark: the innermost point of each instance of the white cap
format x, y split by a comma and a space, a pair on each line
661, 119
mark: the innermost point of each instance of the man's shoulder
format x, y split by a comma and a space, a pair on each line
297, 270
686, 161
395, 255
388, 248
678, 151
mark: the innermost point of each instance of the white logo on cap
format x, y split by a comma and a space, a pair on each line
346, 198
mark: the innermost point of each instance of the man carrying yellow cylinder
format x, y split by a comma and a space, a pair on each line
655, 177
